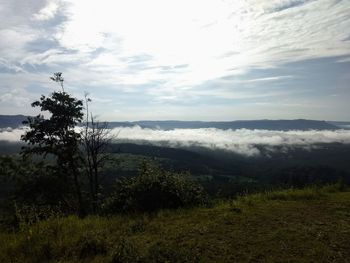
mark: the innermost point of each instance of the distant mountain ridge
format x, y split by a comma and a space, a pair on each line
283, 125
14, 121
341, 124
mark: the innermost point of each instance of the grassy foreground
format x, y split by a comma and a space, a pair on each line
309, 225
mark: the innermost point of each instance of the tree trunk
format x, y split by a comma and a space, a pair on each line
81, 210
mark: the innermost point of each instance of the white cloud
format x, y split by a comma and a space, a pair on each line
47, 12
212, 38
241, 141
268, 79
11, 135
201, 34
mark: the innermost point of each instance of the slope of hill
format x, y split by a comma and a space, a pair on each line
309, 225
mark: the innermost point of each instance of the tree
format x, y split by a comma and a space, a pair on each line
57, 77
96, 137
56, 136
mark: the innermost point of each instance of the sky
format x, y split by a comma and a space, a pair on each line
180, 60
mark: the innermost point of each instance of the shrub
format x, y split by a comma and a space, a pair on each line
92, 244
154, 189
125, 252
163, 251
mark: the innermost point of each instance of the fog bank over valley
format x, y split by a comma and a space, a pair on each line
241, 141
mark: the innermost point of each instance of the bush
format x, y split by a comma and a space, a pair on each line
166, 252
125, 252
154, 189
92, 244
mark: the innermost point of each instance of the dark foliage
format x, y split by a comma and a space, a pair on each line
154, 189
30, 182
301, 176
57, 137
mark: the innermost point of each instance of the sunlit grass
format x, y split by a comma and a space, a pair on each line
306, 225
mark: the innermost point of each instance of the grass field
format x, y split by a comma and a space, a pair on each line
308, 225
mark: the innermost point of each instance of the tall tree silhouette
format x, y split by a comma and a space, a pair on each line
57, 136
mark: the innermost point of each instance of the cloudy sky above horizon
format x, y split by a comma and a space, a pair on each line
185, 60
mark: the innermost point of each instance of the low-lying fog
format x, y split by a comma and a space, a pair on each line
240, 141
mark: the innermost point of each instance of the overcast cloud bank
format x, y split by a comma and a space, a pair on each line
241, 141
185, 59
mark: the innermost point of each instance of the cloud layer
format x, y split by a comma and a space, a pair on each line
145, 57
242, 141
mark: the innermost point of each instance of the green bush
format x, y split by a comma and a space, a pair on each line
125, 252
154, 189
168, 252
91, 244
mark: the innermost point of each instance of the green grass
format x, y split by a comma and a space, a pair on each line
308, 225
